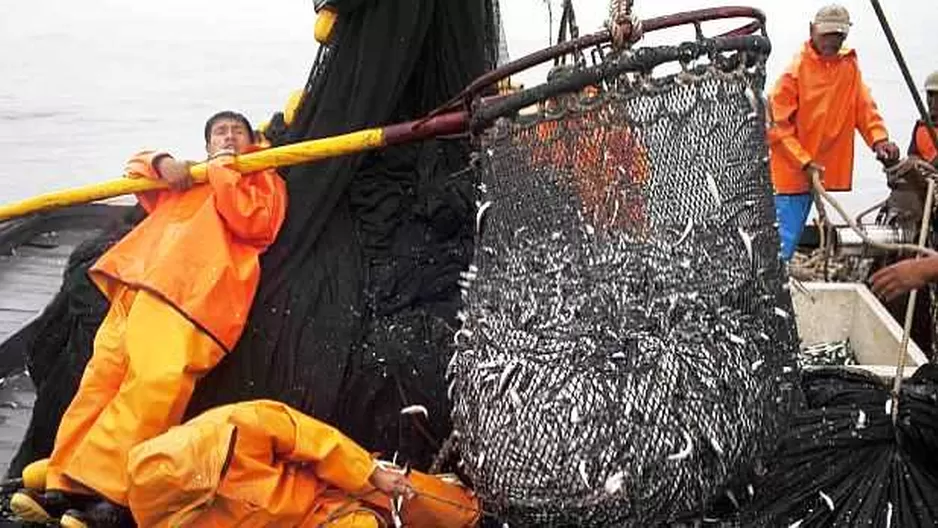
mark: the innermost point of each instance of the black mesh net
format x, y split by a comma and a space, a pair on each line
844, 463
628, 346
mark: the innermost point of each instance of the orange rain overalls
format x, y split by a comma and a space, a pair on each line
922, 145
262, 463
180, 287
814, 109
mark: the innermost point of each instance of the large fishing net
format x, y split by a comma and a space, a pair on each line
628, 348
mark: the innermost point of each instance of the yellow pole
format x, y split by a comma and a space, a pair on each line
305, 152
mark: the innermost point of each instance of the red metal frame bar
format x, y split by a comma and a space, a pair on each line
602, 37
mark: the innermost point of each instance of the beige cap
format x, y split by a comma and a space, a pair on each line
931, 82
832, 18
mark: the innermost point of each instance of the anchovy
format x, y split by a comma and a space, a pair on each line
506, 376
416, 409
461, 332
716, 446
753, 102
827, 500
480, 216
688, 449
686, 233
583, 474
615, 483
451, 364
714, 190
861, 420
732, 497
747, 241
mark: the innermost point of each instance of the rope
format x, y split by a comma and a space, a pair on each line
447, 449
620, 14
910, 307
353, 505
910, 248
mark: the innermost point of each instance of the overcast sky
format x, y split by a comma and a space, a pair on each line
91, 81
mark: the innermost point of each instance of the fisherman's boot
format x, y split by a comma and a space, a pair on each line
34, 475
101, 514
38, 507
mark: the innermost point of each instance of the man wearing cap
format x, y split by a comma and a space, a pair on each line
814, 108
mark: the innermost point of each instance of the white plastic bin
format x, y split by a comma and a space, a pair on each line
830, 312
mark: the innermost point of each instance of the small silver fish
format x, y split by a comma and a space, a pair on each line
714, 190
687, 229
686, 451
416, 409
615, 483
827, 500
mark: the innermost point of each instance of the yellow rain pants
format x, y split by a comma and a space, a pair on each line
146, 360
262, 463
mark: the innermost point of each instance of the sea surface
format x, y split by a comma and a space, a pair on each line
86, 83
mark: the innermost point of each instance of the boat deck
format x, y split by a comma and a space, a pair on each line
33, 256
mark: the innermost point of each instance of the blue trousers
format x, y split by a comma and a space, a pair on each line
792, 211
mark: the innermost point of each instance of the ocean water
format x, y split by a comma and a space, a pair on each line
86, 83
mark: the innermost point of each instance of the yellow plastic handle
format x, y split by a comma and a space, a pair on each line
305, 152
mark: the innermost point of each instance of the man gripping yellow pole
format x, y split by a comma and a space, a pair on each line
298, 153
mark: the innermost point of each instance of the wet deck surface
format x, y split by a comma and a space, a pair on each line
30, 276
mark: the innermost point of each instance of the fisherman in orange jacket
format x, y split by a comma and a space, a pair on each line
911, 274
814, 109
180, 286
262, 463
922, 146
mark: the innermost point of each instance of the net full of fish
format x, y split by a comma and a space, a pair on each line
628, 347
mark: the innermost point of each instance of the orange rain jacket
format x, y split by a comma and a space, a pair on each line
609, 163
814, 108
922, 145
198, 250
262, 463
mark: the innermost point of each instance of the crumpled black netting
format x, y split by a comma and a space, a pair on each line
354, 316
843, 462
56, 345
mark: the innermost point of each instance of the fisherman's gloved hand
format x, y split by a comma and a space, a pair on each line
176, 173
909, 173
886, 151
812, 168
392, 482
